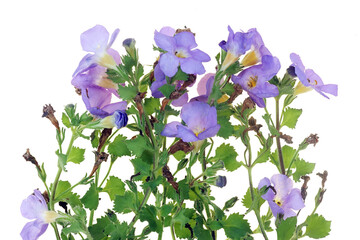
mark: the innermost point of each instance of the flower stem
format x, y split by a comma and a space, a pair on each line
256, 210
278, 144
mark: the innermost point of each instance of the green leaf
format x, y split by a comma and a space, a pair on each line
65, 120
142, 166
91, 198
118, 147
227, 154
262, 156
247, 201
302, 168
180, 76
62, 187
153, 183
166, 209
272, 128
148, 213
62, 160
151, 105
138, 145
184, 189
125, 203
226, 129
120, 231
76, 155
127, 92
114, 186
199, 230
317, 226
235, 226
184, 216
102, 228
286, 228
139, 72
288, 153
291, 116
94, 137
167, 89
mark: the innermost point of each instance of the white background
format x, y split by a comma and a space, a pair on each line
40, 49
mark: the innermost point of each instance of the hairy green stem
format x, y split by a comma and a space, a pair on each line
278, 144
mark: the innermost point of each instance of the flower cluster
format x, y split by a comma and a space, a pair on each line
116, 90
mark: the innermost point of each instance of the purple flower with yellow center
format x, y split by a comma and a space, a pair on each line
96, 40
160, 80
257, 50
98, 102
236, 45
179, 52
35, 208
254, 80
283, 199
309, 79
201, 123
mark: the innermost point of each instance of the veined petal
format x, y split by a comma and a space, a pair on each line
113, 37
33, 206
95, 39
33, 230
170, 129
112, 107
186, 40
195, 114
186, 134
200, 55
294, 200
96, 97
282, 184
191, 66
87, 62
165, 42
169, 64
210, 132
181, 100
295, 58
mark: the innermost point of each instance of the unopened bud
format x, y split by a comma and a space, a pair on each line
129, 45
221, 181
230, 203
48, 112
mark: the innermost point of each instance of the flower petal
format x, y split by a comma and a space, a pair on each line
87, 62
294, 200
112, 107
191, 66
181, 100
210, 132
295, 58
113, 37
170, 129
202, 85
200, 55
186, 134
169, 31
165, 42
33, 230
282, 185
269, 195
95, 39
33, 206
327, 88
186, 40
169, 64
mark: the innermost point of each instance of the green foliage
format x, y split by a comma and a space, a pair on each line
148, 213
151, 105
138, 145
288, 154
114, 186
286, 228
127, 92
291, 116
235, 226
317, 226
61, 188
118, 147
223, 117
91, 198
227, 154
167, 89
125, 203
271, 127
302, 168
76, 155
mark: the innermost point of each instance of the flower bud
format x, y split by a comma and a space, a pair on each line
119, 119
129, 45
221, 181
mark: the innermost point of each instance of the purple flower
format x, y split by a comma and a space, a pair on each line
254, 80
236, 45
179, 52
96, 41
118, 119
98, 102
258, 49
35, 207
309, 79
160, 80
281, 195
200, 120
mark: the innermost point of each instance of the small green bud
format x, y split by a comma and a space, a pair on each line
230, 203
129, 45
